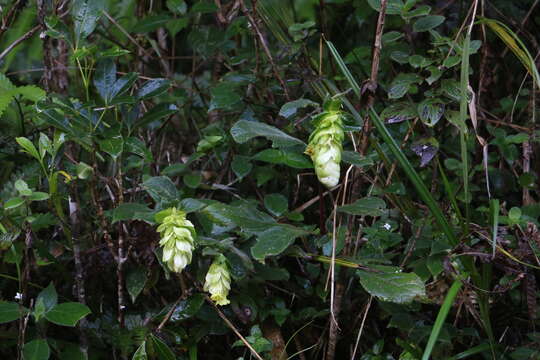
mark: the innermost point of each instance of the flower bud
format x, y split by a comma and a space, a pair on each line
178, 240
325, 143
218, 281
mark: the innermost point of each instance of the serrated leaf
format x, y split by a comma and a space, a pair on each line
31, 92
394, 286
224, 96
243, 131
104, 78
161, 189
6, 97
67, 314
372, 206
85, 13
153, 88
36, 350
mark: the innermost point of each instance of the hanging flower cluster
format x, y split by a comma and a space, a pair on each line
178, 240
218, 281
325, 143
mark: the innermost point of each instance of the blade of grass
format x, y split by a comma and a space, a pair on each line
441, 316
424, 193
470, 352
463, 105
344, 68
451, 194
494, 215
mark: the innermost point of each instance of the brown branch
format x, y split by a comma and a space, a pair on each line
26, 36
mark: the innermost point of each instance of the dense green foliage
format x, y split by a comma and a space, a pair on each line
159, 200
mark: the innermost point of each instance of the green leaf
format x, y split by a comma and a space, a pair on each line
428, 22
291, 108
276, 204
105, 78
401, 85
372, 206
48, 296
187, 308
85, 14
394, 286
161, 349
241, 166
224, 96
13, 203
28, 147
6, 97
153, 88
67, 314
158, 112
36, 350
38, 196
114, 146
31, 92
132, 211
122, 85
135, 282
150, 23
274, 240
354, 158
243, 131
431, 111
10, 311
140, 354
277, 156
177, 6
204, 7
161, 189
192, 180
393, 7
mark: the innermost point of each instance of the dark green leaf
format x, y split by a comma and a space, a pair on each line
291, 108
10, 311
48, 296
161, 189
36, 350
224, 96
393, 286
241, 166
244, 131
354, 158
428, 22
276, 204
431, 111
140, 354
135, 281
192, 180
150, 23
132, 211
122, 85
105, 77
67, 314
187, 308
85, 16
156, 113
13, 203
113, 146
372, 206
153, 88
161, 349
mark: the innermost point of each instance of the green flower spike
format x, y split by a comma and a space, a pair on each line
325, 143
178, 240
218, 281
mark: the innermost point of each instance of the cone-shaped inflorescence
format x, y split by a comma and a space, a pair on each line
178, 240
325, 143
218, 281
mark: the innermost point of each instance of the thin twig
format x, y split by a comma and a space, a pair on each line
262, 40
234, 329
26, 36
361, 328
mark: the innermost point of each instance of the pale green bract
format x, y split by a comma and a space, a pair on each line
178, 240
218, 281
325, 143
